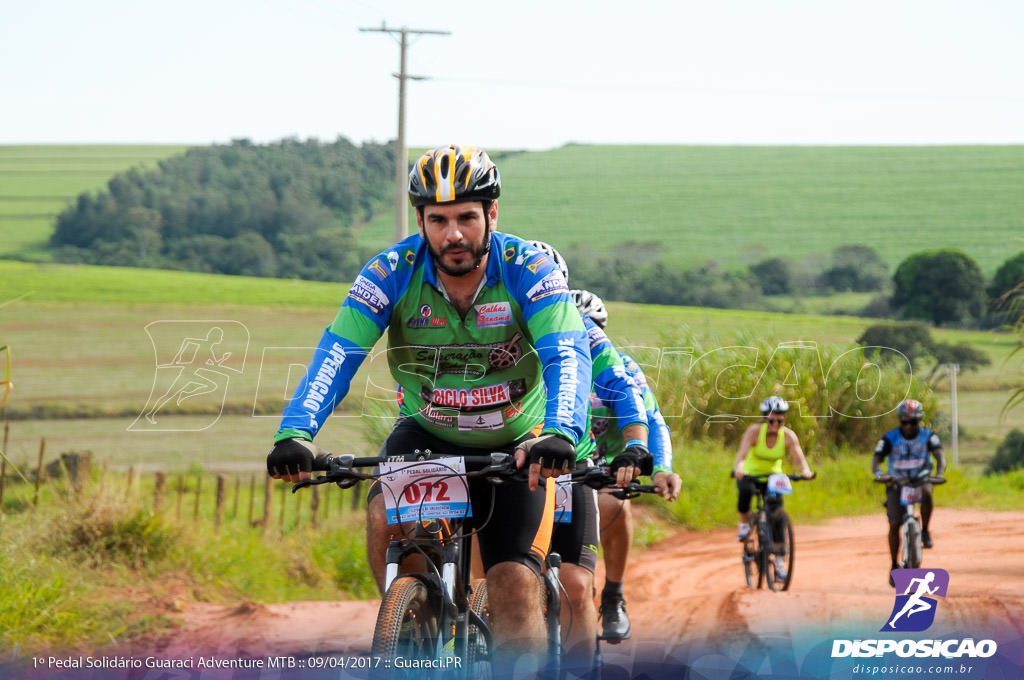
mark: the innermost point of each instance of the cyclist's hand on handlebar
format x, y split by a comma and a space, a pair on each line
668, 485
291, 460
636, 460
807, 474
737, 472
549, 455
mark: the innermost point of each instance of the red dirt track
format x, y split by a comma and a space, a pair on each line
688, 593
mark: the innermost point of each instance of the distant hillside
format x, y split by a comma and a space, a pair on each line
738, 205
283, 209
734, 205
38, 182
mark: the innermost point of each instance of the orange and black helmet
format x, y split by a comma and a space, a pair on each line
450, 174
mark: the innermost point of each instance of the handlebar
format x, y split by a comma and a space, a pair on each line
497, 467
764, 478
909, 481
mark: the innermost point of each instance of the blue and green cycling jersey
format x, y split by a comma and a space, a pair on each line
518, 362
606, 426
614, 389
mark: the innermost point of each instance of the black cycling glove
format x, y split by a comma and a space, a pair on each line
290, 457
550, 451
636, 455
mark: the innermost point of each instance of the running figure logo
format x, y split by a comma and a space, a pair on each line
915, 608
194, 362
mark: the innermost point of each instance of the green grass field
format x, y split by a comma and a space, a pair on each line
736, 205
80, 347
733, 205
37, 182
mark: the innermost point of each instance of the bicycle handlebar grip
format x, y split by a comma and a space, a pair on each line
322, 462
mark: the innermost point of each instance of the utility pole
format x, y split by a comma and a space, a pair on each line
401, 153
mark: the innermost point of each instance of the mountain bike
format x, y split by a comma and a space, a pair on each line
910, 525
772, 534
439, 614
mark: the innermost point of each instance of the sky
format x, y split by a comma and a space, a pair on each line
514, 75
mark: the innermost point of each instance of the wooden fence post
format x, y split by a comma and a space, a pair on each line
284, 503
131, 478
39, 471
268, 502
234, 507
199, 489
159, 491
252, 497
314, 506
218, 516
181, 495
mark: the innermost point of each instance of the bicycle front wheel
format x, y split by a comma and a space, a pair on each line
478, 655
783, 547
911, 545
407, 624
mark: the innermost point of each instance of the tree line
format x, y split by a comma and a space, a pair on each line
291, 209
286, 209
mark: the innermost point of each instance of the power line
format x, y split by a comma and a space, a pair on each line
401, 153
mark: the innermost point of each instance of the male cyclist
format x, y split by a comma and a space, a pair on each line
490, 352
617, 515
909, 449
576, 541
761, 451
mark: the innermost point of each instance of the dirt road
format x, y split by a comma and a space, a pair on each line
686, 595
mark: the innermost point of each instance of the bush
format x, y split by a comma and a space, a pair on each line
837, 396
903, 341
1009, 456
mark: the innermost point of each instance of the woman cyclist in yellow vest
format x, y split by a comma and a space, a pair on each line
761, 452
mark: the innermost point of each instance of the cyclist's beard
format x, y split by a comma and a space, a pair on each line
477, 254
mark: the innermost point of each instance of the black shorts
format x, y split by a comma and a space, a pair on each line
513, 524
577, 541
746, 488
893, 507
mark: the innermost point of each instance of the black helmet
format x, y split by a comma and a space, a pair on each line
910, 409
590, 305
450, 174
774, 404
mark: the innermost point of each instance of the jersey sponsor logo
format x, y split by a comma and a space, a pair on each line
431, 322
318, 388
481, 421
474, 397
392, 258
378, 269
566, 397
427, 320
596, 337
513, 410
368, 293
471, 361
437, 417
493, 314
551, 284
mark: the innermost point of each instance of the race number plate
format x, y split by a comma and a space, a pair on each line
780, 484
910, 495
563, 499
429, 489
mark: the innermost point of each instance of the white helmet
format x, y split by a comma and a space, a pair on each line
774, 404
590, 305
553, 254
